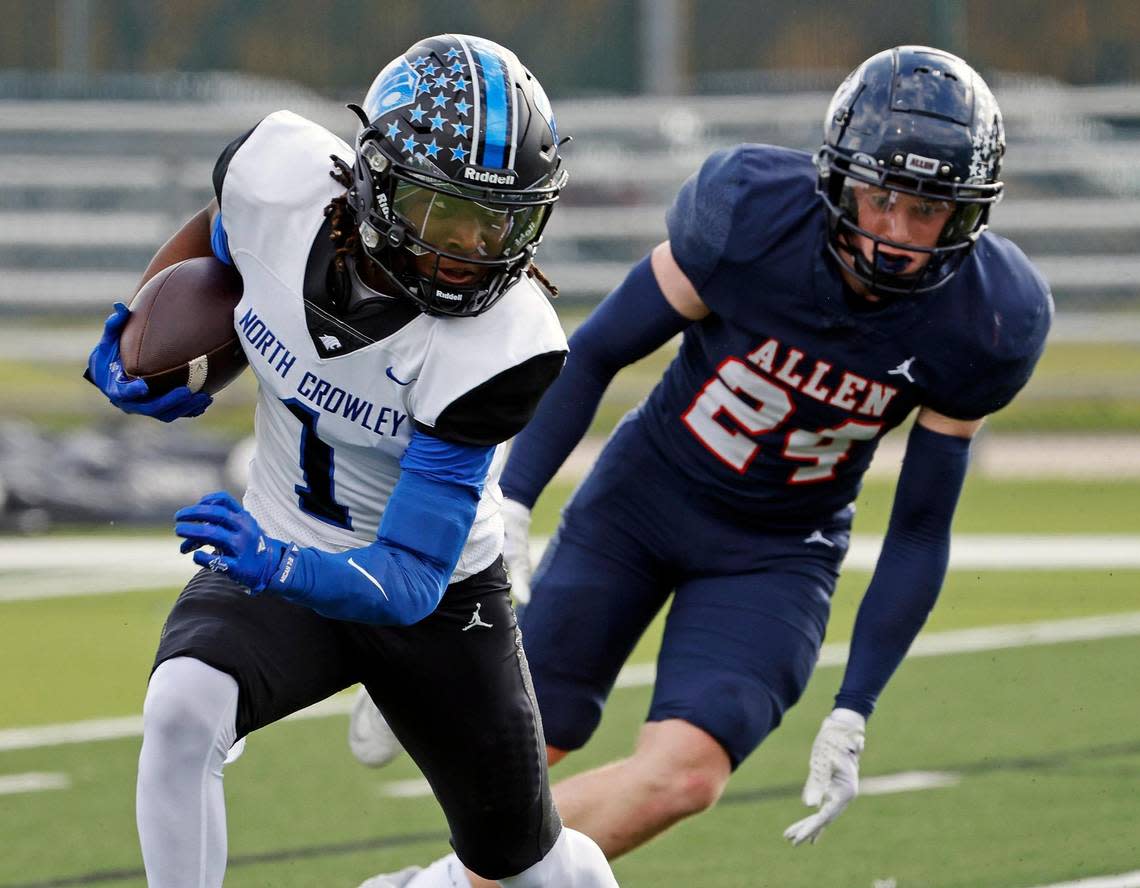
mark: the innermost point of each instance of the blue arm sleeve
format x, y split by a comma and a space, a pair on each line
400, 578
219, 241
634, 320
911, 567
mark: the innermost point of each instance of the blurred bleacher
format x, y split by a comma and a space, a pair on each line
89, 188
93, 180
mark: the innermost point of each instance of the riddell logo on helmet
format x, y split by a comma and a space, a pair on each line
490, 177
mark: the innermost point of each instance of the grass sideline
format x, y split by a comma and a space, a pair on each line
1077, 387
1044, 741
1037, 736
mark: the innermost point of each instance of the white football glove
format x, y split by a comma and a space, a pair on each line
516, 549
833, 775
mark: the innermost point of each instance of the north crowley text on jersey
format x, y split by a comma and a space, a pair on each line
329, 397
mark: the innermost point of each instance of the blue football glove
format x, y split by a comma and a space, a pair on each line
241, 551
131, 395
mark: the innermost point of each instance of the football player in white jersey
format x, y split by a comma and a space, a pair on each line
397, 337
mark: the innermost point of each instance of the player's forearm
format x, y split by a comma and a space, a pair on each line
399, 579
630, 323
911, 567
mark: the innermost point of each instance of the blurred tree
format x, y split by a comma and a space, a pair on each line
589, 46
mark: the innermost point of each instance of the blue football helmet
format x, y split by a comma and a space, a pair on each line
919, 121
456, 172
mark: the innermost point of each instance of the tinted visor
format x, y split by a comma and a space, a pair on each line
465, 225
929, 214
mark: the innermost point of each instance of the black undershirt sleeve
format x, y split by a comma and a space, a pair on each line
499, 408
223, 162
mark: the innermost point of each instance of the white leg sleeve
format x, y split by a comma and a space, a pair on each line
575, 861
188, 728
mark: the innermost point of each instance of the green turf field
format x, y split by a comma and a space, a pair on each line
1076, 387
1044, 744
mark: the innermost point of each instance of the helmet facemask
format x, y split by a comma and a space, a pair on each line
420, 226
847, 184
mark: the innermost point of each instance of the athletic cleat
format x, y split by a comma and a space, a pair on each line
392, 880
371, 740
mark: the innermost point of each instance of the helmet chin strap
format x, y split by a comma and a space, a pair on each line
363, 296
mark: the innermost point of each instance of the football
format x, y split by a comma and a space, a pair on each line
181, 328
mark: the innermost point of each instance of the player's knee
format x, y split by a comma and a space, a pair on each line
682, 789
189, 710
682, 769
570, 713
574, 861
700, 788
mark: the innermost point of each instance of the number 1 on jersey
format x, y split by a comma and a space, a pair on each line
316, 496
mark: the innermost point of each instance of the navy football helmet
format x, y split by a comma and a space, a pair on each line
910, 121
456, 171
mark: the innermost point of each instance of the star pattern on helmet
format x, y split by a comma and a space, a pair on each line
985, 155
436, 124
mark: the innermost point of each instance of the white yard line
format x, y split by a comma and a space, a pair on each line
884, 784
33, 781
907, 781
1124, 880
60, 567
931, 644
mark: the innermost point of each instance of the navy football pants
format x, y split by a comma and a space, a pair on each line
745, 626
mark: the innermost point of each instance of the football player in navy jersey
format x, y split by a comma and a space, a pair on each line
822, 301
397, 338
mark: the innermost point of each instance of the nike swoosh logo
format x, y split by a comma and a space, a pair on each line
392, 376
375, 582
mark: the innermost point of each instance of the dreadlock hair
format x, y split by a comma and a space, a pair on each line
535, 272
344, 232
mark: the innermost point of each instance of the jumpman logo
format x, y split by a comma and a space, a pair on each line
818, 537
903, 369
477, 620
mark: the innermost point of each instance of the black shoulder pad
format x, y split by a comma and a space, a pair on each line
497, 410
223, 162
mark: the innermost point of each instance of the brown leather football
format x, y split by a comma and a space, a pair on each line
181, 328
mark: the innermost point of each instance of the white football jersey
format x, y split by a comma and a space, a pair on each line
330, 431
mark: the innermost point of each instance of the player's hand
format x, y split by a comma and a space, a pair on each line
833, 777
516, 549
241, 551
129, 394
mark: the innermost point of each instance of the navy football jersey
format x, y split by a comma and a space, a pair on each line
776, 401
